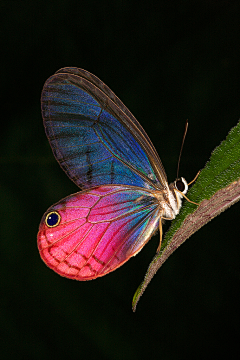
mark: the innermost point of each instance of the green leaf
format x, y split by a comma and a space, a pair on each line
216, 189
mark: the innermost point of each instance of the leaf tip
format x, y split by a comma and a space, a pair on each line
136, 297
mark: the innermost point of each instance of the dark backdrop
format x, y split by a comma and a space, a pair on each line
168, 61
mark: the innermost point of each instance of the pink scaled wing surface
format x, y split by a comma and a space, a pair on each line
97, 230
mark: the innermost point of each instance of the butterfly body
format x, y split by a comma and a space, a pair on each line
106, 152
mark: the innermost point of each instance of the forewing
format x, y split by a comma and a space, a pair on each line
99, 230
94, 136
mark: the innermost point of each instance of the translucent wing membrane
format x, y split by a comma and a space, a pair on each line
94, 136
99, 229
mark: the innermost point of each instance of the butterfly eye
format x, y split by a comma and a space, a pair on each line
181, 185
52, 219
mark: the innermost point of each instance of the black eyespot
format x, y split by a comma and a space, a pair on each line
180, 185
52, 219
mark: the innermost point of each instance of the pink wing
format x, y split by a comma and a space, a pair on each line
93, 232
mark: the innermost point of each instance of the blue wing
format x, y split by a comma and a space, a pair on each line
94, 137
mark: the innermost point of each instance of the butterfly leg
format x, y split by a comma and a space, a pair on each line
194, 178
160, 231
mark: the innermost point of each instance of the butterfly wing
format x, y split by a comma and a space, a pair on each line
94, 137
98, 230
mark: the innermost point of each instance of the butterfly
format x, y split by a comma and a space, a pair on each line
125, 193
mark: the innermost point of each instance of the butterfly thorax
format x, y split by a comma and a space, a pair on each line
170, 199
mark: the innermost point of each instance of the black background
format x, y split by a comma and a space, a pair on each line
168, 61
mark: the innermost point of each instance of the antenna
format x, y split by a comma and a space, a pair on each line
184, 135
